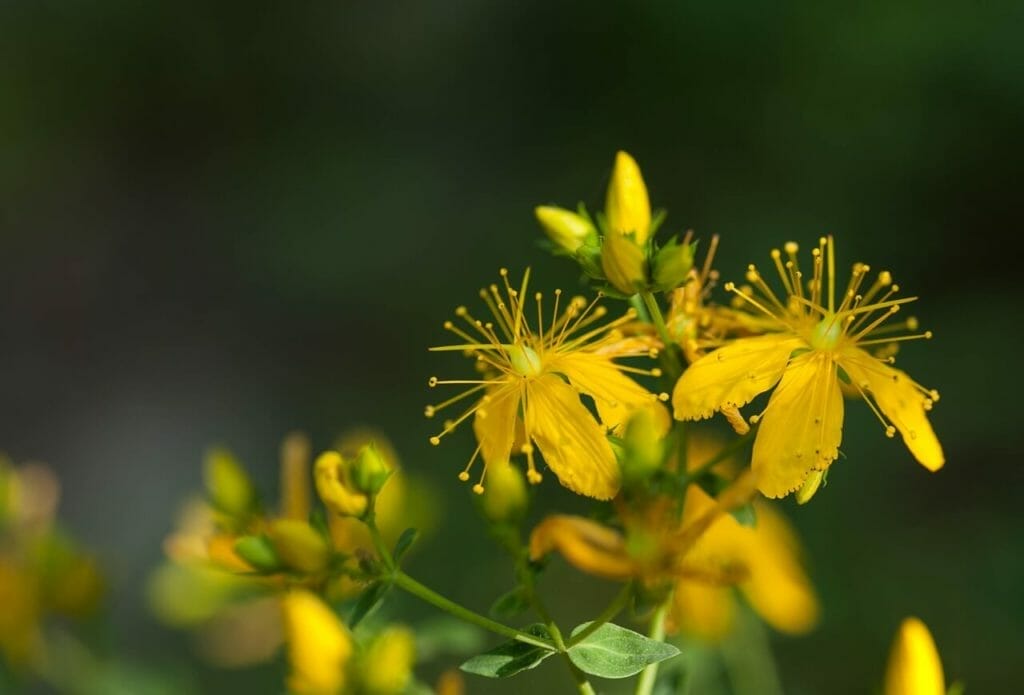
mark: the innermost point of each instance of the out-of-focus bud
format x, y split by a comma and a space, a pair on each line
450, 682
299, 545
914, 664
319, 645
333, 476
370, 470
624, 263
644, 449
258, 552
295, 455
504, 498
565, 228
627, 206
672, 265
810, 487
227, 484
386, 667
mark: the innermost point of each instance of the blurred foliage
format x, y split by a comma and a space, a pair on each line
223, 221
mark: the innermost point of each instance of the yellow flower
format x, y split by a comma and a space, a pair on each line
818, 344
531, 386
914, 664
335, 485
772, 580
627, 207
386, 666
319, 645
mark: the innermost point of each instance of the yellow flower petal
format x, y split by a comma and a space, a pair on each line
319, 645
573, 444
732, 375
778, 588
495, 423
616, 395
914, 664
802, 427
899, 400
586, 545
702, 610
627, 206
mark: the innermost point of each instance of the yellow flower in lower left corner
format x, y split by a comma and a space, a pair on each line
319, 645
531, 382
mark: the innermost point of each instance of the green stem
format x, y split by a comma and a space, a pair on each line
649, 675
609, 613
407, 583
582, 684
378, 540
670, 357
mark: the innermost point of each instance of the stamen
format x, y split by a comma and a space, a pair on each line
731, 287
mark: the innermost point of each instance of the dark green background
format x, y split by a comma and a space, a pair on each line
224, 221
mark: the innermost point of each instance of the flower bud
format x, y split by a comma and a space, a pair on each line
672, 265
228, 485
627, 207
319, 645
811, 484
624, 263
299, 546
643, 448
370, 470
504, 498
258, 552
914, 664
333, 476
386, 666
565, 228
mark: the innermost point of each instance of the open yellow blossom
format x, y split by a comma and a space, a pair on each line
319, 645
914, 664
820, 341
529, 390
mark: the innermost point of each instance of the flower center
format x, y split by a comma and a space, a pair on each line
524, 360
827, 333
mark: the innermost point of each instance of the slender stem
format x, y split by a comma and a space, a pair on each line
404, 581
582, 684
609, 613
645, 685
670, 357
378, 541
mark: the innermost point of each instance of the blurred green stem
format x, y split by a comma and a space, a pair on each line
649, 675
669, 355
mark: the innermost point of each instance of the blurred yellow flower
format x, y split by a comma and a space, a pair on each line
817, 345
531, 386
319, 645
385, 667
914, 664
567, 229
335, 487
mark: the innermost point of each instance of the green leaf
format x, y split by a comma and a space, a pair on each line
368, 601
510, 604
404, 542
612, 651
509, 658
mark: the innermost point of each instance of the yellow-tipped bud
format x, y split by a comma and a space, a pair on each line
626, 206
227, 484
810, 486
333, 476
644, 448
319, 645
914, 664
504, 497
299, 546
564, 227
386, 667
370, 470
624, 263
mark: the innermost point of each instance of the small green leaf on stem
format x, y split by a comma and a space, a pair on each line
404, 542
368, 601
510, 658
612, 651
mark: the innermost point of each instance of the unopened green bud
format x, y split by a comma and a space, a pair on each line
810, 487
565, 228
258, 552
672, 265
504, 497
643, 447
624, 263
299, 546
227, 484
370, 471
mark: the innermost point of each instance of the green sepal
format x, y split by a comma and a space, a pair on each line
259, 552
510, 658
612, 651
